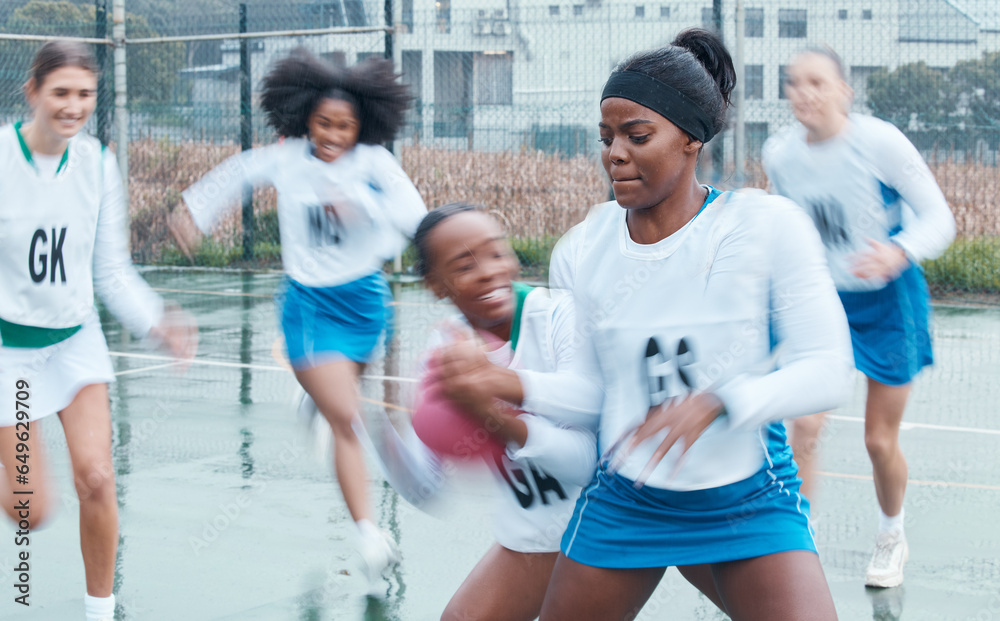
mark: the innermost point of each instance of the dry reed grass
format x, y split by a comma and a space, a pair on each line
158, 172
535, 194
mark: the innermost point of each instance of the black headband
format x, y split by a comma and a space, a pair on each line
661, 98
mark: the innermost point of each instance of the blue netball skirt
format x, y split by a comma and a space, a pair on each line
889, 328
326, 324
616, 526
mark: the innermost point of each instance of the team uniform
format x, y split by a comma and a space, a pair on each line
697, 311
540, 481
869, 182
62, 238
338, 223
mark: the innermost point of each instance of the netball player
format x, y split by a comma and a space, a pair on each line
879, 212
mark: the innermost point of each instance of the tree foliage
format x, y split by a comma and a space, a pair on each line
151, 69
977, 86
912, 93
961, 101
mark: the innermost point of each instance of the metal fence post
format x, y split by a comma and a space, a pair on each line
717, 147
387, 9
246, 132
739, 131
397, 261
101, 54
121, 93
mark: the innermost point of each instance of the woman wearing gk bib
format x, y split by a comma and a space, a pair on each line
879, 212
680, 293
62, 224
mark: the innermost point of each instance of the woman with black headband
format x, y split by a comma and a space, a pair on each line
704, 316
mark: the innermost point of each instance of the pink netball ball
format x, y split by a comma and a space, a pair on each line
443, 426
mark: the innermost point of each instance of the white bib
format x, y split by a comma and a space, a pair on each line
47, 232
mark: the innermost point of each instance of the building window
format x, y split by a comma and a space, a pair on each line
452, 94
753, 25
494, 78
413, 76
577, 10
205, 53
782, 77
791, 23
756, 136
355, 11
664, 12
568, 140
640, 11
337, 59
406, 16
859, 82
754, 88
554, 10
331, 14
340, 13
866, 14
842, 14
443, 15
707, 19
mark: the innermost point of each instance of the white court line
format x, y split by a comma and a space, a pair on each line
240, 365
236, 294
905, 425
264, 295
863, 477
392, 378
155, 366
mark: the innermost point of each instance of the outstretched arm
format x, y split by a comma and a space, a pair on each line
121, 288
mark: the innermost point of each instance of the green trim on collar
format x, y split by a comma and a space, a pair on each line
26, 152
521, 292
17, 335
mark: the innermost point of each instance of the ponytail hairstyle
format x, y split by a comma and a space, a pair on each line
296, 84
58, 54
430, 221
698, 65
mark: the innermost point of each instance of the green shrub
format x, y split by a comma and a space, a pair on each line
534, 253
970, 264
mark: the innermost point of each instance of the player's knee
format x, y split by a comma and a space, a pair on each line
881, 444
806, 429
95, 482
342, 428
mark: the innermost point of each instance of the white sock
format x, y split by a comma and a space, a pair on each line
367, 530
886, 523
99, 608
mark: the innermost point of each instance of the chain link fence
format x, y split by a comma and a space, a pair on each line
507, 98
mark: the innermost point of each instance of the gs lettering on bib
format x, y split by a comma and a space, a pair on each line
50, 226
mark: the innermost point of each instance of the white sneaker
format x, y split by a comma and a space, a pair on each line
318, 433
886, 567
378, 551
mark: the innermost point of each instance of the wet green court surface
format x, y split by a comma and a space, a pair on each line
226, 514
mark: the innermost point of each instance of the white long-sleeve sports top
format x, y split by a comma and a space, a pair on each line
62, 237
696, 312
540, 481
867, 182
338, 221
